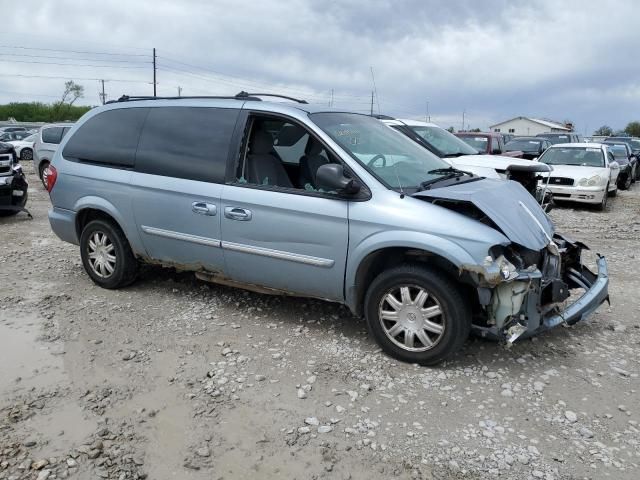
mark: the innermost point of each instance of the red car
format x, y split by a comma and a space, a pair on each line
487, 143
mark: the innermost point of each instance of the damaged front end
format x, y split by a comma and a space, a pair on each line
524, 287
524, 292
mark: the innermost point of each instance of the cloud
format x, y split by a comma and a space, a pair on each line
493, 59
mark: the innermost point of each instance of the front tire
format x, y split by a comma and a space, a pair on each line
605, 196
417, 315
106, 255
627, 182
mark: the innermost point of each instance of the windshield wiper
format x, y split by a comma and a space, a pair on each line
447, 174
456, 155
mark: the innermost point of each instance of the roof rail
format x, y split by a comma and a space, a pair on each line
245, 95
383, 117
239, 96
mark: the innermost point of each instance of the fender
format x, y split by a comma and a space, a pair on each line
437, 245
98, 203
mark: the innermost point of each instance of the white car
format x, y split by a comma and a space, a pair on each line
582, 172
24, 147
455, 151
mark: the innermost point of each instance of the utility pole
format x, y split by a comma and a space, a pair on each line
372, 103
103, 96
154, 72
179, 91
331, 104
463, 113
427, 117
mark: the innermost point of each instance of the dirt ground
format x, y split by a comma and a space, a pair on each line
173, 378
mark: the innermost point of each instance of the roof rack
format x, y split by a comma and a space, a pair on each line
239, 96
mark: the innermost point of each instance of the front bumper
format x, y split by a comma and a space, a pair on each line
534, 318
578, 194
13, 192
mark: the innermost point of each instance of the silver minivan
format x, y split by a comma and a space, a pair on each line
288, 198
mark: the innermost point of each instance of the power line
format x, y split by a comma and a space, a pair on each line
69, 64
70, 77
65, 58
75, 51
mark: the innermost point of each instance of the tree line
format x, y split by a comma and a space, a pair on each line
60, 110
632, 129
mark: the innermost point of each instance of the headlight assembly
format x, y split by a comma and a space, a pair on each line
590, 182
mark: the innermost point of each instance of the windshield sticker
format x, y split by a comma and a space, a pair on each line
480, 139
347, 133
533, 141
562, 136
593, 149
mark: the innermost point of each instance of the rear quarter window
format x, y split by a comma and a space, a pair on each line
187, 142
52, 135
109, 138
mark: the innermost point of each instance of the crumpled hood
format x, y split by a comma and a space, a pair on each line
508, 204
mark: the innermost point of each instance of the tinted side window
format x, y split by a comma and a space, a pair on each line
109, 138
52, 135
187, 142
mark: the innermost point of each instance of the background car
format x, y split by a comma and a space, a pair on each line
462, 156
12, 136
531, 147
507, 137
12, 129
24, 147
582, 172
628, 164
634, 146
486, 143
47, 141
562, 137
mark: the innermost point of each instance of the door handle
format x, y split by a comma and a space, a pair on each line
203, 208
237, 213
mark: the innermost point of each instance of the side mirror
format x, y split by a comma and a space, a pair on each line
614, 165
330, 176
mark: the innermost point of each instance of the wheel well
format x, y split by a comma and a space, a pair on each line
380, 260
84, 216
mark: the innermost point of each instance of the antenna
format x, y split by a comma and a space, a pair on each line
375, 90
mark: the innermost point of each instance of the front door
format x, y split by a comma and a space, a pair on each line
279, 229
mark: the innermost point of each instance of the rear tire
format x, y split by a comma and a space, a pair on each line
41, 171
417, 315
106, 255
26, 154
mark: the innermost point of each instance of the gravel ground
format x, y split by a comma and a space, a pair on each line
175, 378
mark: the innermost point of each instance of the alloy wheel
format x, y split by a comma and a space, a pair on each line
411, 318
101, 254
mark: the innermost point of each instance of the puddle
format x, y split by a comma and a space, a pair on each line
39, 366
22, 356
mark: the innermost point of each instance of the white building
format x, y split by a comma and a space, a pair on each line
525, 126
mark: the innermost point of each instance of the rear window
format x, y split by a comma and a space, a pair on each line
52, 135
187, 142
109, 138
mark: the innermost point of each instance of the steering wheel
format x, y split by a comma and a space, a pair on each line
378, 157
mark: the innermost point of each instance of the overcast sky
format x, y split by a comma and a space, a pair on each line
575, 60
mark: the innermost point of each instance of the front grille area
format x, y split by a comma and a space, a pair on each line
561, 181
6, 169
